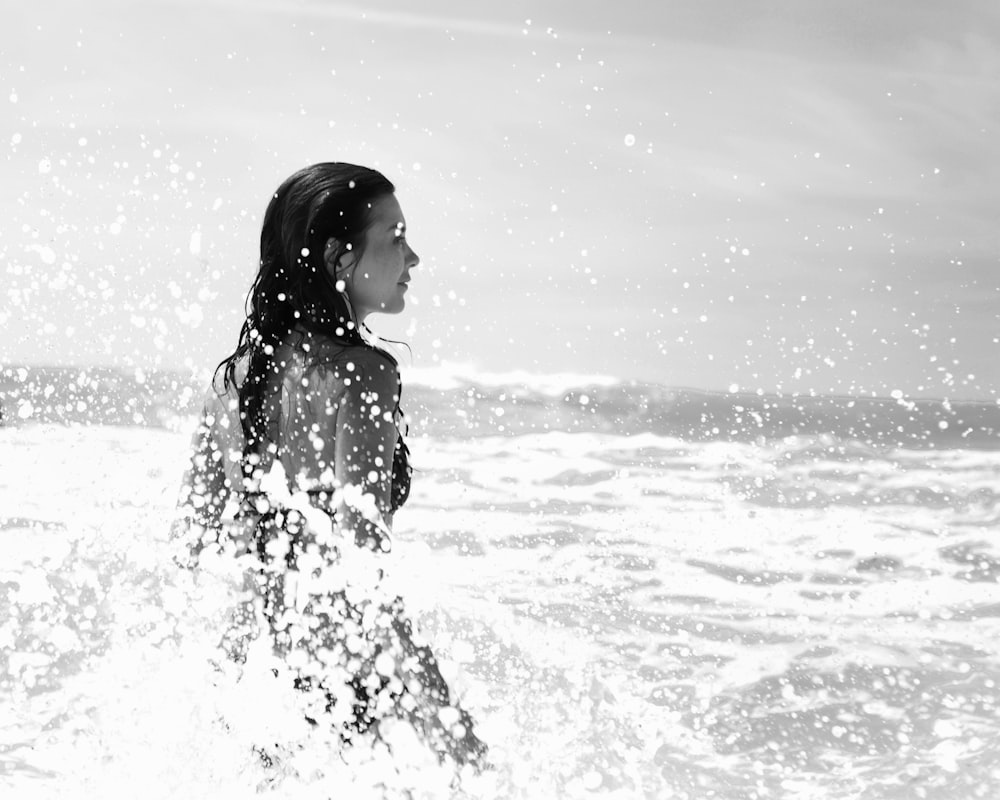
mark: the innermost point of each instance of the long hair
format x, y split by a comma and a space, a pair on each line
292, 286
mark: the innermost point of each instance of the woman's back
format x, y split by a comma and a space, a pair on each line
321, 387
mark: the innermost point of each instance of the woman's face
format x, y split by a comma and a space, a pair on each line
378, 280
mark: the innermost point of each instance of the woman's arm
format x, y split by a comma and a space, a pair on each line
365, 440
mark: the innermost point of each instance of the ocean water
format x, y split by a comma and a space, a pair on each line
638, 592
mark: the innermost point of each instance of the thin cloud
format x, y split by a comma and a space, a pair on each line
368, 14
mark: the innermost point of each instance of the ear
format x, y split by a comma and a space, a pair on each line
336, 259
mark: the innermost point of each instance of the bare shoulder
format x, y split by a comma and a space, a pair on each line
366, 370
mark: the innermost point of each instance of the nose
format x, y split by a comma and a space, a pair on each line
412, 259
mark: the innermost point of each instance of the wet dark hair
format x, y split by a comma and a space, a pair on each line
292, 286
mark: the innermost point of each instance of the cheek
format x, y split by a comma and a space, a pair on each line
393, 264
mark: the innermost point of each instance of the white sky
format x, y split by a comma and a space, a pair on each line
794, 195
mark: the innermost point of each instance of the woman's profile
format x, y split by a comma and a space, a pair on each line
306, 396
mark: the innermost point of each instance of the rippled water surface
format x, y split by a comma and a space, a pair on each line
625, 616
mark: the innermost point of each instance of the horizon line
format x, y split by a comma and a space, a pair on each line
605, 380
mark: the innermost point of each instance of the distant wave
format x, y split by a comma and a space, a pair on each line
457, 402
451, 375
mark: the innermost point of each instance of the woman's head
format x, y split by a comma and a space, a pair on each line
376, 275
314, 235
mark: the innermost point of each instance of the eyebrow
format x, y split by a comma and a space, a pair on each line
397, 226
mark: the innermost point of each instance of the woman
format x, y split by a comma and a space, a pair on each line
307, 397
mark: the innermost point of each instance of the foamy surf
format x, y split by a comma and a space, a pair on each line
624, 616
